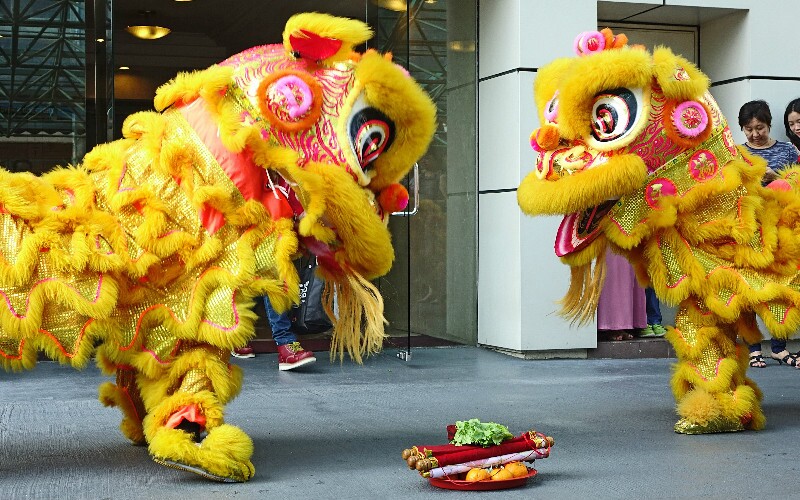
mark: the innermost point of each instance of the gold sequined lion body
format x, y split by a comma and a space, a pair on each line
150, 253
635, 150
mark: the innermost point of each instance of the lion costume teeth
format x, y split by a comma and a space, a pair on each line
681, 201
151, 252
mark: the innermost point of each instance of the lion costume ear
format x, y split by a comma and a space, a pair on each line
679, 79
322, 38
547, 81
686, 118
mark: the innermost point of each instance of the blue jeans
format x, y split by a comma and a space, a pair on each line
652, 306
279, 323
775, 344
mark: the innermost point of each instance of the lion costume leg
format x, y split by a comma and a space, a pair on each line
125, 396
709, 382
184, 426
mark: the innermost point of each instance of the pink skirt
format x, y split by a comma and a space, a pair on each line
622, 303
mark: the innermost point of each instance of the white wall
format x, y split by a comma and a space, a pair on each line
756, 47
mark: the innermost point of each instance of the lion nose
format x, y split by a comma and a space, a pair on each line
545, 138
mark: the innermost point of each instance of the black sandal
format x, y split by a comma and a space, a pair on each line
757, 361
789, 359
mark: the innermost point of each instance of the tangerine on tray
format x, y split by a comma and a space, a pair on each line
516, 469
501, 474
477, 474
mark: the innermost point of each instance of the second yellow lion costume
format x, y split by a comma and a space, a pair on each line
635, 150
150, 253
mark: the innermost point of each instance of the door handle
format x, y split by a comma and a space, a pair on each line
407, 213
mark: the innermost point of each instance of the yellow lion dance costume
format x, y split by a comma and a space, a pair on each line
151, 252
634, 148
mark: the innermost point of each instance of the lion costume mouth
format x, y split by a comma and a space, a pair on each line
587, 196
578, 229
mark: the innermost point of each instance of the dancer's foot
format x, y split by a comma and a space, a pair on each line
785, 357
222, 455
685, 426
757, 360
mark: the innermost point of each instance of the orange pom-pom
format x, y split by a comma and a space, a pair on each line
545, 138
393, 198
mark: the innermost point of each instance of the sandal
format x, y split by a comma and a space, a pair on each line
757, 361
789, 359
614, 335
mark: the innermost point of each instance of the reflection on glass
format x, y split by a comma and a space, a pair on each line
432, 286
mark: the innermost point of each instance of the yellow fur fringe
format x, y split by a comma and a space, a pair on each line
359, 326
579, 305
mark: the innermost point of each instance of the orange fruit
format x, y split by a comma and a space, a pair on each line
501, 474
516, 469
477, 474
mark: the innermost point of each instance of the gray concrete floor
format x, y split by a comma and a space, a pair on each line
335, 431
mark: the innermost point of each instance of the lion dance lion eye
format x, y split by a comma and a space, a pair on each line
371, 132
551, 109
613, 114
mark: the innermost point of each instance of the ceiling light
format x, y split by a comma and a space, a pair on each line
148, 32
99, 40
395, 5
123, 68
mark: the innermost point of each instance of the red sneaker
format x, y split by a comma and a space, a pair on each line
243, 352
292, 355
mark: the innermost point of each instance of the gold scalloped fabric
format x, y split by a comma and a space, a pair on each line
719, 235
113, 253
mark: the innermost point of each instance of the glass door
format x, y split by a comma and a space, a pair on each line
54, 90
431, 291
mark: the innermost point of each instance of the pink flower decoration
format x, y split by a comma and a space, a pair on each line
589, 42
690, 118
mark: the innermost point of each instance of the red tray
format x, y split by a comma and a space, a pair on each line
486, 484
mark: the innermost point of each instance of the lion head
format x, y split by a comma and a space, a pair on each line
621, 128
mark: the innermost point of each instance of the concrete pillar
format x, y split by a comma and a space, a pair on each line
519, 277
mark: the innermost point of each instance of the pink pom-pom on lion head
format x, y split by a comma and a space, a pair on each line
591, 42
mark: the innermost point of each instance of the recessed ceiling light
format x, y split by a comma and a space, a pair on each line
123, 68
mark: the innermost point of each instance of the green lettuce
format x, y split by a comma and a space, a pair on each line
473, 431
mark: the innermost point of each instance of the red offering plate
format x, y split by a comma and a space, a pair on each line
487, 484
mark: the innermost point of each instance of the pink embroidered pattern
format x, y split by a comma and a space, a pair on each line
292, 95
657, 188
703, 165
727, 138
680, 74
652, 145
